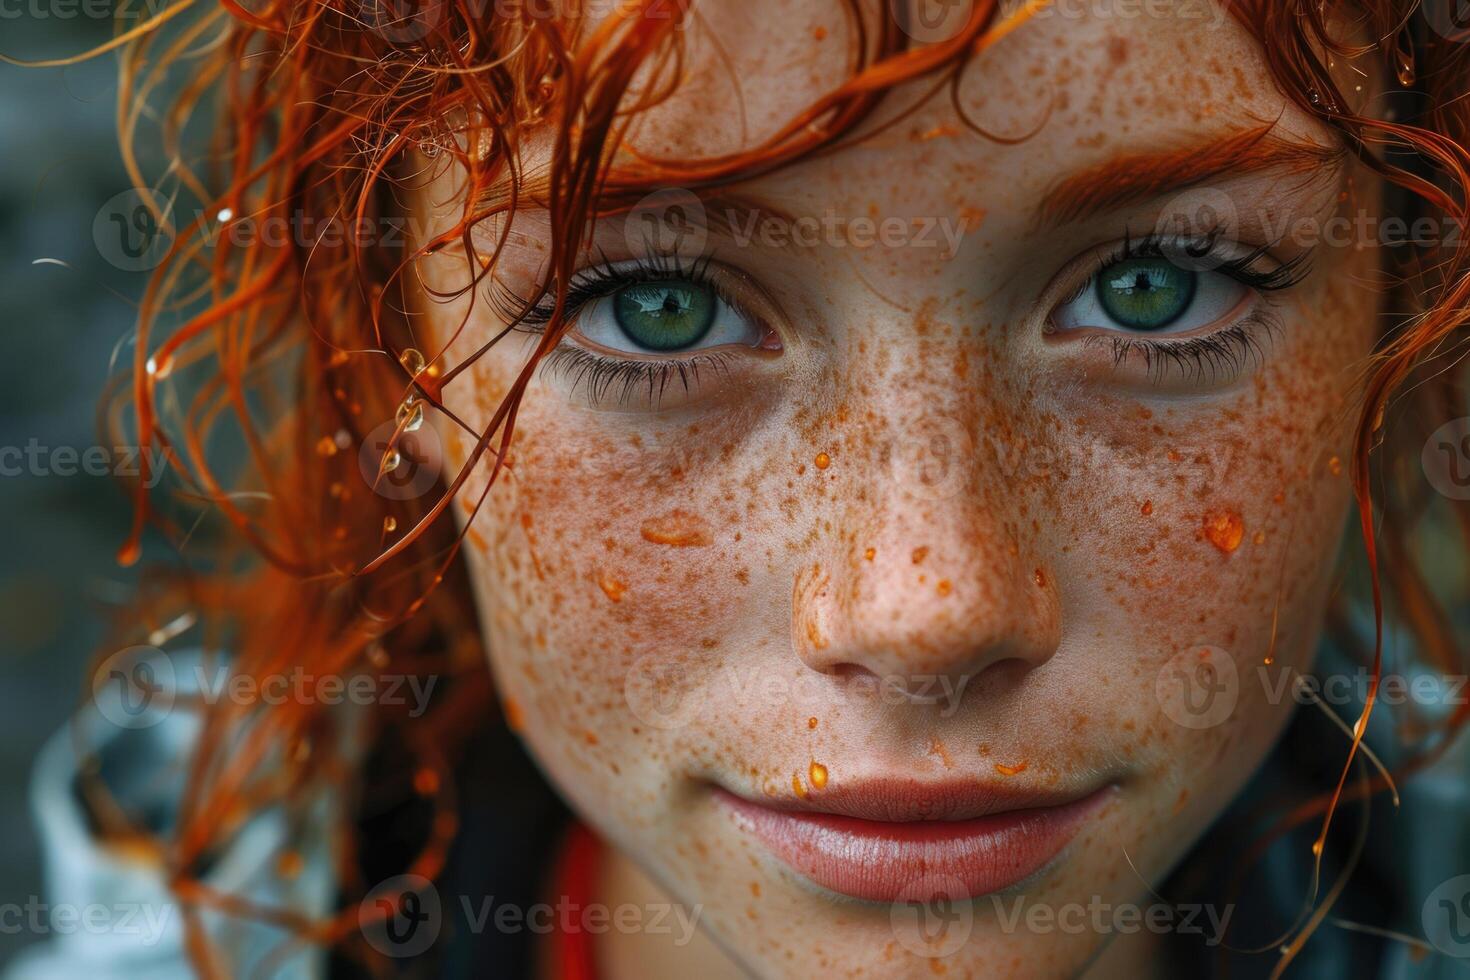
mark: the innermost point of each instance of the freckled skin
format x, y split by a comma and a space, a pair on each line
749, 549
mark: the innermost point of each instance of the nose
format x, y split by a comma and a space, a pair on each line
937, 581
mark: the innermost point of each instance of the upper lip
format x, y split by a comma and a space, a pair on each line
907, 800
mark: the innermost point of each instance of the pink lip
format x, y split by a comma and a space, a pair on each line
880, 840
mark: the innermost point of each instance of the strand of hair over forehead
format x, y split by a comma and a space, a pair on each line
323, 108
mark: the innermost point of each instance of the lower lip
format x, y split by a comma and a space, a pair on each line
883, 861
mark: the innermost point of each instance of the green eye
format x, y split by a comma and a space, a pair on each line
665, 316
1145, 294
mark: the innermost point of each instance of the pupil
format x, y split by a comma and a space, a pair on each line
1146, 294
665, 316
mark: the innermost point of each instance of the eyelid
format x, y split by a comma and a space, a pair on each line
1082, 271
735, 287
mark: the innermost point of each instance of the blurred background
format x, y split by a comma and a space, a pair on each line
62, 323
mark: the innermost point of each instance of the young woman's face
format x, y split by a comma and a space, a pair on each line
915, 485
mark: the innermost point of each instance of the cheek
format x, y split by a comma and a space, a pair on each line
612, 551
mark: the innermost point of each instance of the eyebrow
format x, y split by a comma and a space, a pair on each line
1133, 178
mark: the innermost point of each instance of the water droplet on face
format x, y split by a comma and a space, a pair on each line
1224, 529
1006, 770
869, 554
1335, 465
796, 786
1039, 577
823, 461
817, 773
811, 723
1147, 508
610, 586
678, 529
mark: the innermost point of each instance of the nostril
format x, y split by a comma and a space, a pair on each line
850, 671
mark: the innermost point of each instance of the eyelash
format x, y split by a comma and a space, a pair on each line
1198, 358
597, 374
1224, 352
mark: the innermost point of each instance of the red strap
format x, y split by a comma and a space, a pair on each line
576, 877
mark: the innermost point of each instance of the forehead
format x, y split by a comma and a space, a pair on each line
1094, 70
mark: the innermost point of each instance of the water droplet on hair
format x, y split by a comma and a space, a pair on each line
390, 524
391, 459
410, 415
412, 360
1404, 63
